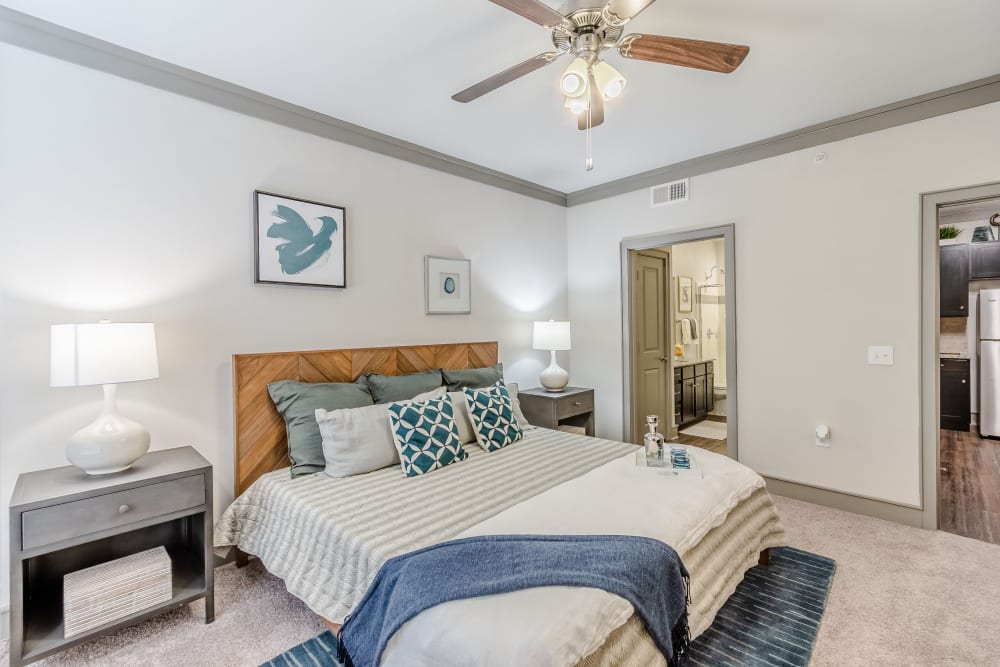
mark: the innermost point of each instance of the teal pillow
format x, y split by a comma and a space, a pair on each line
426, 435
493, 419
297, 403
389, 388
472, 378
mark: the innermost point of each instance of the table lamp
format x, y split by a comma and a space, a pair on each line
552, 336
104, 353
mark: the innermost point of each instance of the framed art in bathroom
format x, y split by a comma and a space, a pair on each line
685, 294
299, 242
447, 286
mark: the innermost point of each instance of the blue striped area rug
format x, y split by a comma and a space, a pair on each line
773, 617
771, 620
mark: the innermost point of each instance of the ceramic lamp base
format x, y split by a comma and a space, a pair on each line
111, 443
554, 378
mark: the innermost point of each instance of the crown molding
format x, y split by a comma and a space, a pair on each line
41, 36
47, 38
937, 103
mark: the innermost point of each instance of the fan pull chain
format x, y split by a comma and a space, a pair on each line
590, 144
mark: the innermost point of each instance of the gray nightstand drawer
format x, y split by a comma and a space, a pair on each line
575, 405
90, 515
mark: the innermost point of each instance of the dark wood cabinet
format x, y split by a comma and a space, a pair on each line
955, 279
984, 260
694, 387
955, 394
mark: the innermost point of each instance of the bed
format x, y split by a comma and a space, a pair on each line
326, 538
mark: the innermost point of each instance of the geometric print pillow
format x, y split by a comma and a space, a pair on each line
493, 418
425, 435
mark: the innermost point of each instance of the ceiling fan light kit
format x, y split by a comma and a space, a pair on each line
585, 33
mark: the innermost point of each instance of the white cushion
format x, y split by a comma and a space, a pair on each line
359, 440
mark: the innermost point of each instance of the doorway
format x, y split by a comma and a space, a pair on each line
679, 337
968, 479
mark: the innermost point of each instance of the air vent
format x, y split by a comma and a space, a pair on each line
669, 193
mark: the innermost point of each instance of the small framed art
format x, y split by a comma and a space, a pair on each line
299, 242
685, 294
447, 286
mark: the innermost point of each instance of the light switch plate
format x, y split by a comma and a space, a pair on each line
880, 355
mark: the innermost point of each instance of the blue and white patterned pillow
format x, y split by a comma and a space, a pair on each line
425, 435
493, 418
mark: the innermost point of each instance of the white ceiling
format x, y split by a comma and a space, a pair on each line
392, 66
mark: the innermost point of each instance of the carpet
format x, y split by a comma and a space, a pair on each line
707, 429
771, 619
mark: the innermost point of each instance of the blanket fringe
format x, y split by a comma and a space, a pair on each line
680, 634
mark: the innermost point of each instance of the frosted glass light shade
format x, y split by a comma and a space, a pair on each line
608, 80
102, 353
551, 335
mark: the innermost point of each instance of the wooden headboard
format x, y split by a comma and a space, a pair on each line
259, 431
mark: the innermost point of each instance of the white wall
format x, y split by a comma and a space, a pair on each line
827, 263
125, 202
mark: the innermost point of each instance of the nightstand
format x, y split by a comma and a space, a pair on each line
574, 406
63, 520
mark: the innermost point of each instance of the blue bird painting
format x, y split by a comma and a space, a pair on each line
301, 248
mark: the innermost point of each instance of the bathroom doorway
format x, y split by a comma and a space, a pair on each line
679, 337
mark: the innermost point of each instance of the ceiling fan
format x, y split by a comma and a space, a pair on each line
585, 33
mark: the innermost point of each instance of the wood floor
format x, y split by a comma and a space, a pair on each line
969, 488
712, 445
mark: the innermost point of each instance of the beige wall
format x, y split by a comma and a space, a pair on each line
127, 202
827, 263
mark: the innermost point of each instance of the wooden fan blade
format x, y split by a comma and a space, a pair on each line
712, 56
620, 12
505, 77
596, 107
535, 11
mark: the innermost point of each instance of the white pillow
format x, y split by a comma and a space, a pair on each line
359, 440
466, 431
521, 419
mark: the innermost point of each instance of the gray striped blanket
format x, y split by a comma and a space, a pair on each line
327, 538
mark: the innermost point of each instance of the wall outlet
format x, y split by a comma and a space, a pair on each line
880, 355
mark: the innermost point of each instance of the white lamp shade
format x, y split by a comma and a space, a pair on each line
103, 353
551, 336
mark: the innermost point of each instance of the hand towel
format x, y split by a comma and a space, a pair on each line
685, 331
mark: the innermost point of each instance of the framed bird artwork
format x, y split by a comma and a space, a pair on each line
299, 242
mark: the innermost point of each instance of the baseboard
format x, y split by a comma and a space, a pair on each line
879, 509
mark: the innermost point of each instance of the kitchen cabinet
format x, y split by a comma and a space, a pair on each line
954, 290
955, 394
984, 260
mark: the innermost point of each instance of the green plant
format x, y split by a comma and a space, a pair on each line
948, 232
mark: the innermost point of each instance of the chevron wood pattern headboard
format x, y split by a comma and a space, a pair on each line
259, 431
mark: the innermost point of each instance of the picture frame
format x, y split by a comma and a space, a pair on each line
685, 294
299, 241
447, 286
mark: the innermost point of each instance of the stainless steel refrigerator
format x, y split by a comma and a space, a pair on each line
989, 362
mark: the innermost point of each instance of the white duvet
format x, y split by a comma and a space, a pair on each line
566, 624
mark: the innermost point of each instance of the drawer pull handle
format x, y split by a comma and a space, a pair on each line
576, 403
123, 509
963, 381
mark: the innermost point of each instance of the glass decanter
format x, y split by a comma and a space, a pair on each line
653, 440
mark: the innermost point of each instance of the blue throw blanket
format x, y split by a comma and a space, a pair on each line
646, 572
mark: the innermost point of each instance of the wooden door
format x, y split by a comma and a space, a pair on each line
701, 395
711, 391
688, 413
955, 279
649, 343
